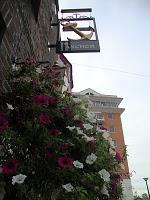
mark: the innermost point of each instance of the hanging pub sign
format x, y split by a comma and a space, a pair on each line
79, 32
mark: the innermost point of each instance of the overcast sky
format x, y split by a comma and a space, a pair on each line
122, 68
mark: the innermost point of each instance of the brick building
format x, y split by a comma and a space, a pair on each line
25, 31
108, 114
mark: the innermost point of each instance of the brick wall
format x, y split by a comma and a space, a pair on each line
27, 32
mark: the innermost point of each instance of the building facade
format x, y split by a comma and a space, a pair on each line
108, 114
25, 31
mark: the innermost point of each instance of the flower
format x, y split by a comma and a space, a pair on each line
44, 119
9, 106
118, 156
68, 187
71, 127
10, 167
54, 132
78, 164
105, 135
87, 126
104, 190
111, 142
18, 179
112, 152
67, 112
39, 70
64, 146
65, 162
52, 101
104, 175
79, 131
3, 121
91, 159
88, 139
91, 118
41, 99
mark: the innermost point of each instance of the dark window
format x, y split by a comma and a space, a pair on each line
110, 116
2, 27
36, 8
112, 129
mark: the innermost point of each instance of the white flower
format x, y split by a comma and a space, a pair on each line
68, 187
9, 106
87, 126
79, 131
88, 139
18, 179
111, 142
76, 117
39, 70
78, 164
112, 152
91, 159
91, 116
71, 127
104, 175
104, 190
105, 135
14, 67
122, 166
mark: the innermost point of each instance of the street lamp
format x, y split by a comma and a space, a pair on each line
146, 179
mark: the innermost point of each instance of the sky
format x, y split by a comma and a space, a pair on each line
122, 68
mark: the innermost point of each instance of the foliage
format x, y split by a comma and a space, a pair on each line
49, 149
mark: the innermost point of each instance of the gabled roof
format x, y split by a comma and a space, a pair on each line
89, 90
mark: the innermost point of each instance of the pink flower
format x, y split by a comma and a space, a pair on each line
65, 162
44, 100
67, 112
54, 132
44, 119
10, 167
41, 99
64, 146
3, 121
118, 156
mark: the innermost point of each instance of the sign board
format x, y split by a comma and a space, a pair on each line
78, 46
83, 37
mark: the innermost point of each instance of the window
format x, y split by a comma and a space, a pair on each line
99, 116
112, 129
2, 27
110, 116
36, 8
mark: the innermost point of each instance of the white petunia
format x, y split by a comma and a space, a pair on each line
104, 190
105, 175
105, 135
88, 139
68, 187
122, 166
78, 164
9, 106
91, 159
18, 179
79, 131
87, 126
15, 67
112, 152
91, 116
111, 142
71, 127
39, 70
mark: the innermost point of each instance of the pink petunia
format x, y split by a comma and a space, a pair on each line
10, 167
65, 162
54, 132
64, 146
44, 119
118, 156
